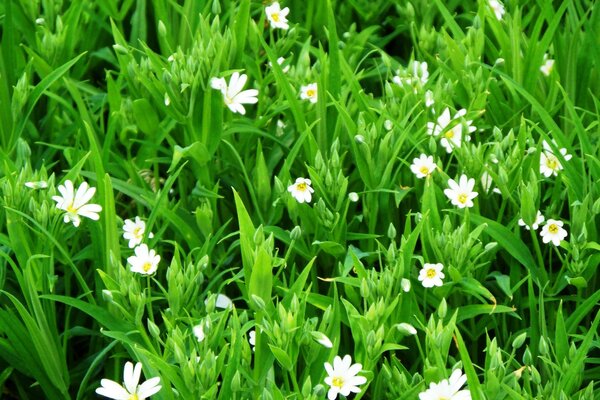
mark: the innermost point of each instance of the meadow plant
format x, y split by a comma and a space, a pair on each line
311, 199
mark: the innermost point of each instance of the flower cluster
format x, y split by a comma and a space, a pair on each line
552, 231
145, 261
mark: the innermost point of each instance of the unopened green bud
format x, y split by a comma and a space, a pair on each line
527, 357
353, 197
519, 340
258, 302
543, 346
296, 233
319, 163
162, 29
364, 288
236, 382
259, 236
120, 49
442, 309
153, 329
391, 232
306, 388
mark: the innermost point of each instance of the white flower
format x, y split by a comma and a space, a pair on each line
277, 17
233, 95
486, 183
461, 194
342, 377
280, 61
223, 301
453, 136
538, 220
353, 197
423, 166
498, 8
279, 131
252, 339
429, 101
549, 163
406, 329
75, 203
309, 92
301, 190
198, 331
134, 231
37, 185
553, 232
130, 389
419, 71
145, 261
322, 339
547, 66
405, 285
448, 389
431, 275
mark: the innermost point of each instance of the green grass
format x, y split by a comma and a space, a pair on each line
118, 94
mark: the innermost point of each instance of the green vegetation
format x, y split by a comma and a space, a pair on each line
138, 99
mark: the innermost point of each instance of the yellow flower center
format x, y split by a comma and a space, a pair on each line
275, 17
449, 134
337, 381
462, 198
71, 209
301, 187
311, 93
551, 162
424, 170
136, 232
147, 266
133, 397
553, 229
431, 273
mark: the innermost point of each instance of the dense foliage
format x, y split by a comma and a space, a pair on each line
433, 137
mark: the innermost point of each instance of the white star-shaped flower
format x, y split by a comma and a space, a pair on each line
498, 8
342, 377
309, 92
452, 129
233, 95
130, 390
423, 166
431, 275
145, 261
277, 16
461, 194
301, 190
134, 231
75, 204
553, 232
547, 65
448, 389
549, 163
